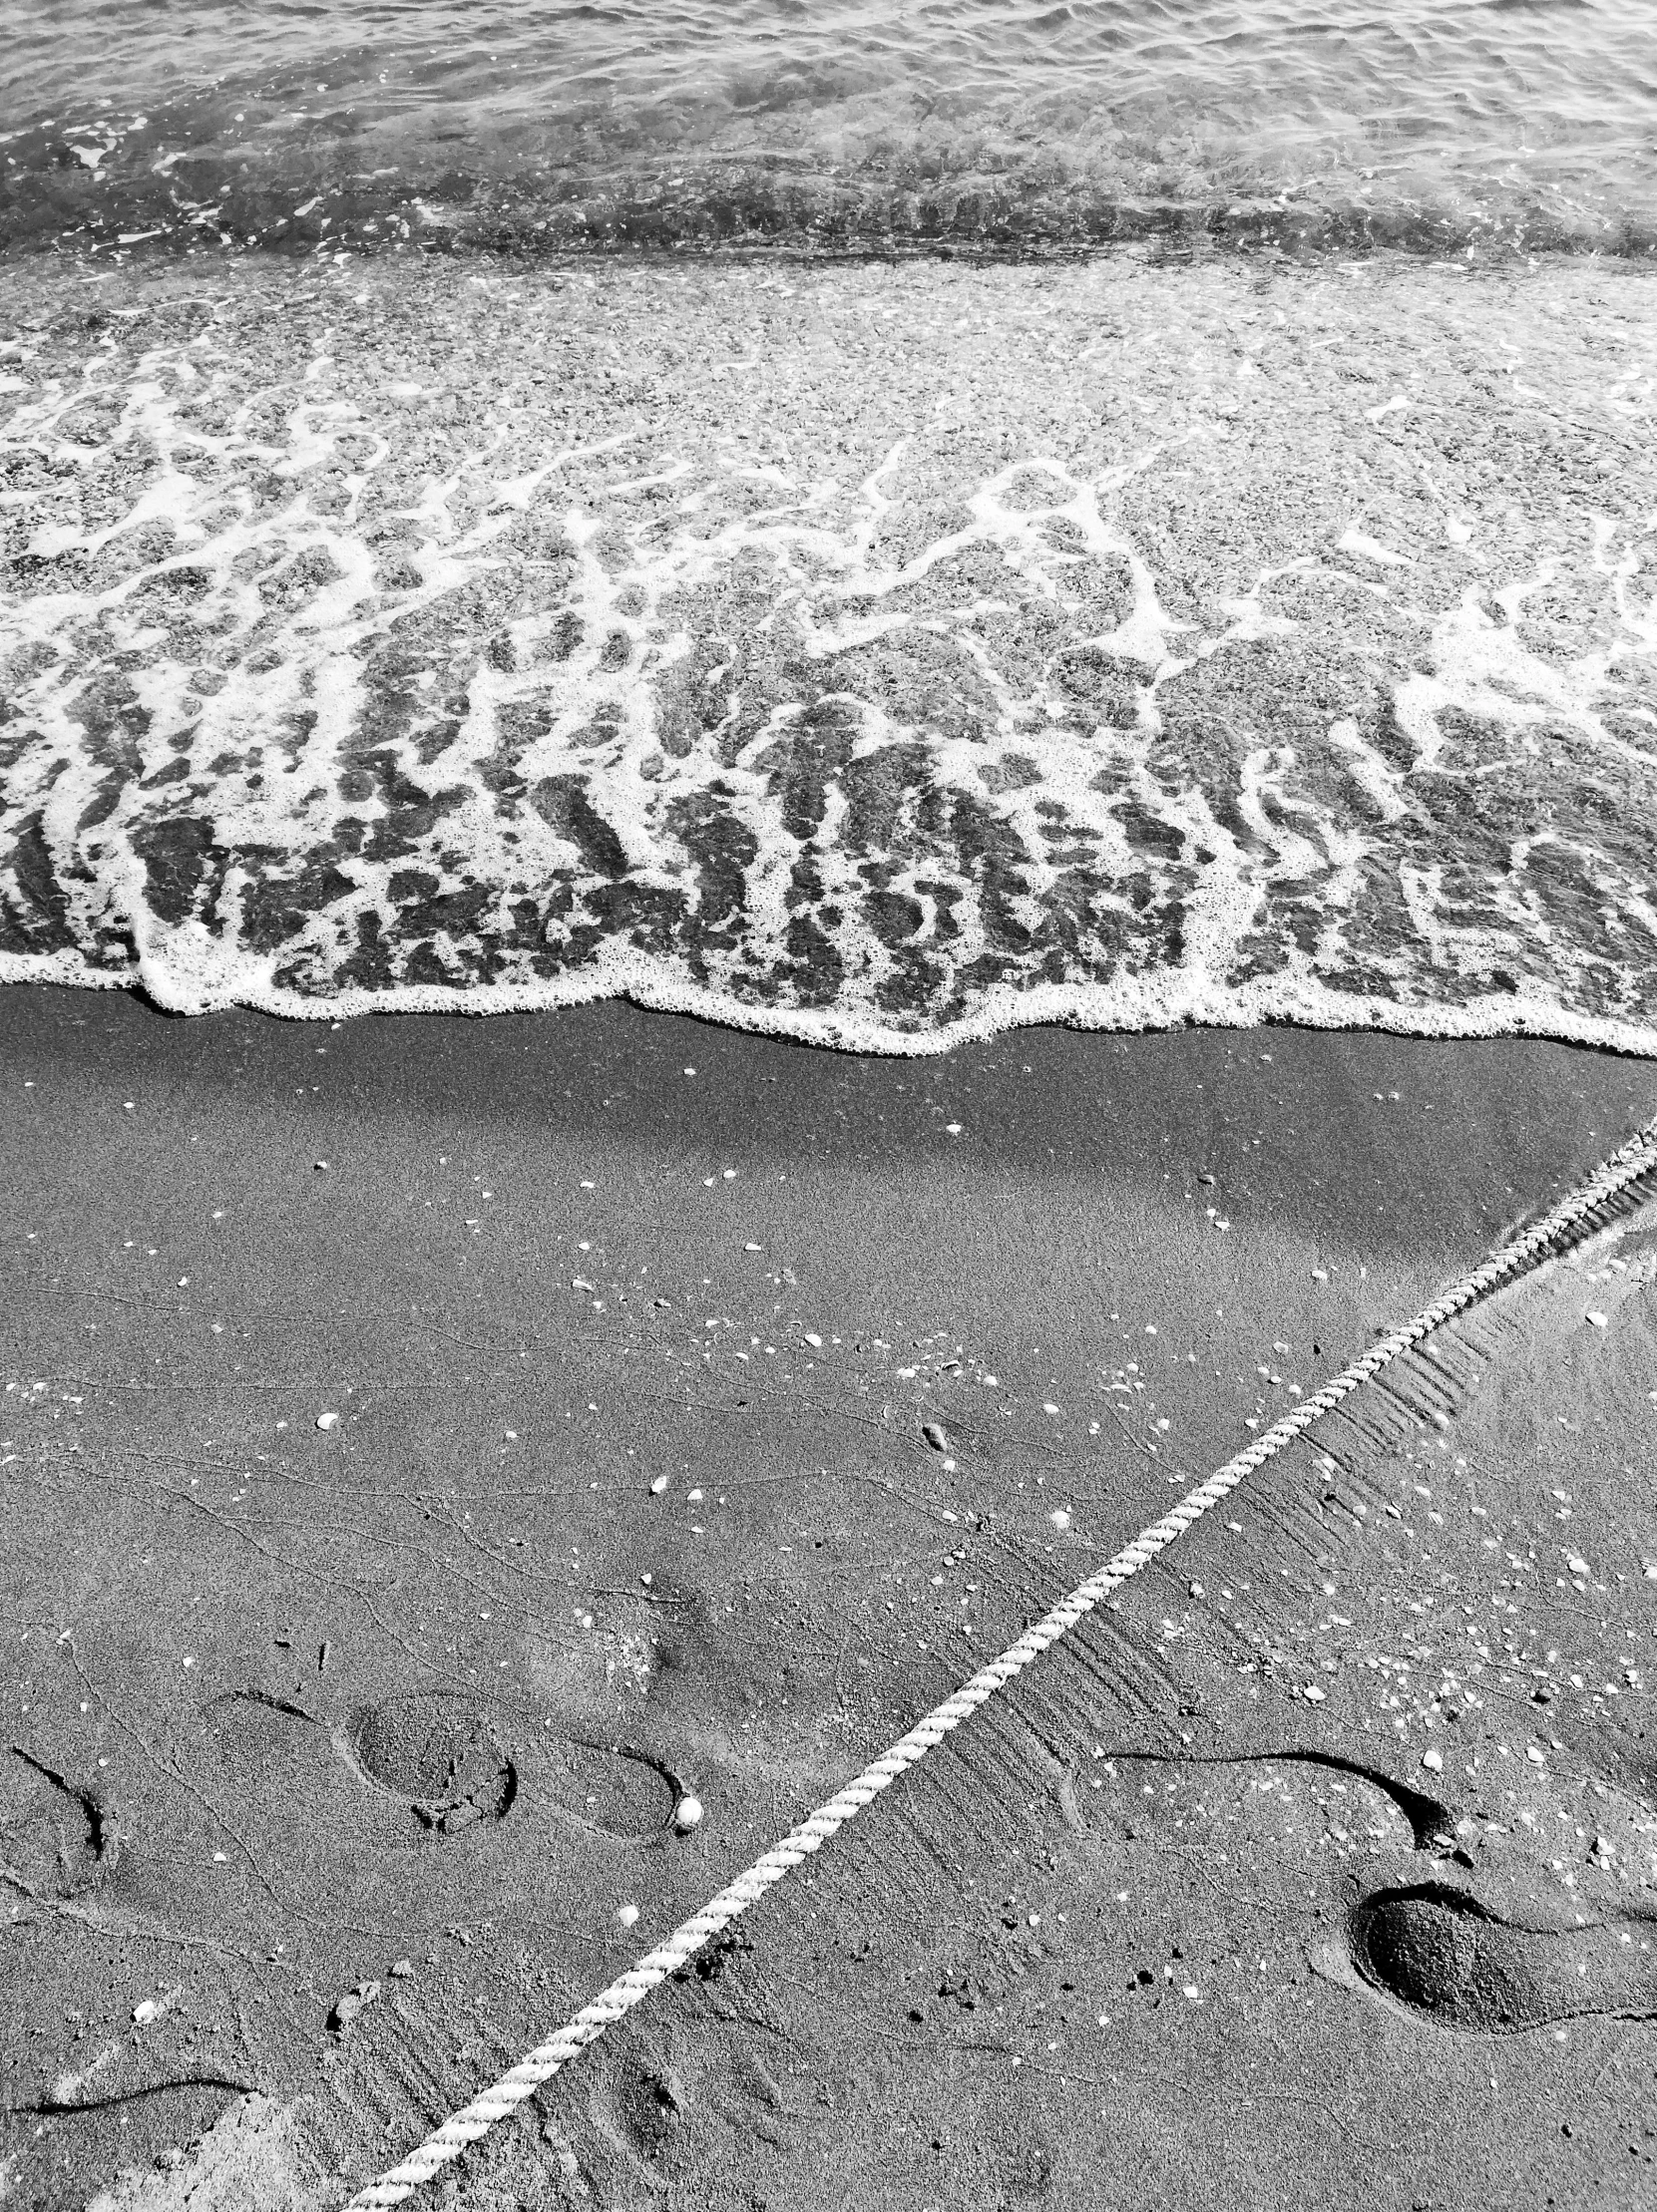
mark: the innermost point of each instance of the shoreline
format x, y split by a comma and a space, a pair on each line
887, 649
582, 233
320, 1478
1254, 1008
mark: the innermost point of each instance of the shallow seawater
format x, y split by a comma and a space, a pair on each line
875, 654
1427, 123
1157, 530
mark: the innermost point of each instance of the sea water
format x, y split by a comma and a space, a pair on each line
842, 121
875, 524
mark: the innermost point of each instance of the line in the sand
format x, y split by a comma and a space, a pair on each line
445, 2142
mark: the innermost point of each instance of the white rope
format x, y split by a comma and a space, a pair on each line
538, 2065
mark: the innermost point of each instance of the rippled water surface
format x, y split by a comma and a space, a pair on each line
1427, 123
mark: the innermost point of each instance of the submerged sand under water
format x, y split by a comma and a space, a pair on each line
875, 654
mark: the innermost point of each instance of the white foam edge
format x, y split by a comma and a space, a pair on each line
1131, 1006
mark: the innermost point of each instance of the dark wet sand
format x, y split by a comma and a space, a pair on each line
293, 1705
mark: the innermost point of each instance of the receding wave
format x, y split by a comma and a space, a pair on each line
870, 654
1512, 125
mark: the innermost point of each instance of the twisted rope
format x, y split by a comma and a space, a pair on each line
1623, 1167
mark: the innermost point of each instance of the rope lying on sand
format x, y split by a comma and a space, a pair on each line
448, 2141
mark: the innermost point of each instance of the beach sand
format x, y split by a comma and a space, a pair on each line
434, 1448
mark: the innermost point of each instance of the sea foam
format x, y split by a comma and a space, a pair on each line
875, 655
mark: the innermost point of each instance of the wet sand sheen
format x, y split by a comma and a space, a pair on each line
422, 1686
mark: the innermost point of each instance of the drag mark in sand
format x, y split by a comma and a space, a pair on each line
1626, 1167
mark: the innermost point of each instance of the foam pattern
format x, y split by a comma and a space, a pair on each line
333, 681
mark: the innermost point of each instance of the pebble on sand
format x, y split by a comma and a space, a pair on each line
352, 2002
658, 1486
688, 1814
1433, 1761
327, 1420
1060, 1519
627, 1913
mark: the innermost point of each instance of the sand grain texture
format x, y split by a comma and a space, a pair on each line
399, 1707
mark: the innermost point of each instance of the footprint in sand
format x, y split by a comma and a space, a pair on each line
456, 1765
1430, 1946
442, 1755
55, 1840
1439, 1951
624, 1791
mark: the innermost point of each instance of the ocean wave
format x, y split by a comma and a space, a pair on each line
875, 655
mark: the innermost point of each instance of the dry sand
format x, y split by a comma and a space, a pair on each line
351, 1644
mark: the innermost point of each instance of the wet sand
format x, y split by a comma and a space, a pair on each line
355, 1650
